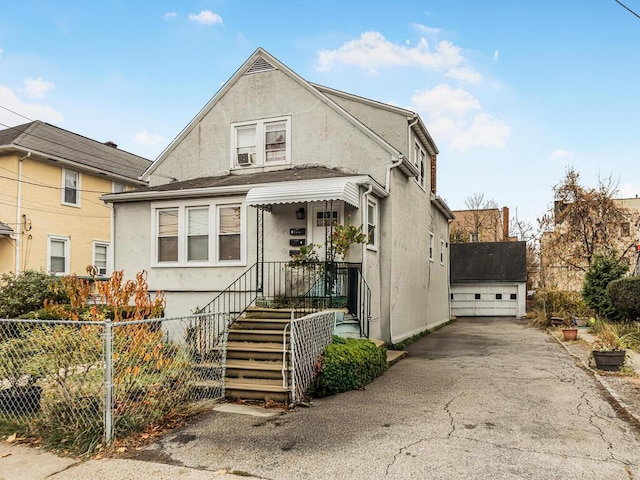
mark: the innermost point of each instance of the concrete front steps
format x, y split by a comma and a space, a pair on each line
257, 362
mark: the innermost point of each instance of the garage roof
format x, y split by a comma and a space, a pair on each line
488, 262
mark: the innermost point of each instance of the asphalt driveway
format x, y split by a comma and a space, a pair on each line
480, 398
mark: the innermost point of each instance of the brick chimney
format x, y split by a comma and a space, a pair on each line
505, 224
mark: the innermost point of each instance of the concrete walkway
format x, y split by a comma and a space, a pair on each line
479, 399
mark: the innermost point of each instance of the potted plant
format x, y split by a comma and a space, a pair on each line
569, 331
609, 348
19, 395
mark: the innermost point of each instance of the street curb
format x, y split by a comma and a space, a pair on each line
612, 395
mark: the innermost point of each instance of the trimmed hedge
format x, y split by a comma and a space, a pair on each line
604, 269
347, 364
624, 295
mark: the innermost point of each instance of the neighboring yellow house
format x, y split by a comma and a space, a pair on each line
51, 218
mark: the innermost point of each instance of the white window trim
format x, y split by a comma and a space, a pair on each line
67, 253
113, 187
109, 267
78, 187
421, 180
260, 142
442, 247
376, 223
182, 207
432, 246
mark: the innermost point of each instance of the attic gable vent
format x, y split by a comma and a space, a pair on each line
260, 65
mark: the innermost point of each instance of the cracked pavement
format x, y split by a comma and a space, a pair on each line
481, 398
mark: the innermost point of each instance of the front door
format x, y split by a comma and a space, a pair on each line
323, 216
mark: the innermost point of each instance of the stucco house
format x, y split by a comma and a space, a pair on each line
273, 163
51, 217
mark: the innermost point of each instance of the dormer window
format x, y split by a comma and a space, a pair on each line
261, 142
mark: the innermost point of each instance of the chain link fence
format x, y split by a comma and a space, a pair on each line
310, 335
77, 385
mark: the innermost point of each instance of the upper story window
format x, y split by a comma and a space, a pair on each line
442, 247
196, 234
261, 142
70, 187
117, 187
419, 160
372, 224
432, 246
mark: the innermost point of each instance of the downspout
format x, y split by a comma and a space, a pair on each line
19, 213
387, 178
365, 215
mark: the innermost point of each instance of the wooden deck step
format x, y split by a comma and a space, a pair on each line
252, 335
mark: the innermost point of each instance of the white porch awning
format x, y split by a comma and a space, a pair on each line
303, 191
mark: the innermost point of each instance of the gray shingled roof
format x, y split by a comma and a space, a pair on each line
288, 175
488, 262
43, 138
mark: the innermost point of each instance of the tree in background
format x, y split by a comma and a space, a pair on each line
481, 218
526, 232
604, 268
584, 222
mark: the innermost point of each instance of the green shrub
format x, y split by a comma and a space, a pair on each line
556, 303
603, 269
348, 364
624, 296
23, 293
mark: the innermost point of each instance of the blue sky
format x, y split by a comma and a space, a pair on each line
512, 92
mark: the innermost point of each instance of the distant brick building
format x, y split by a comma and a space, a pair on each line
480, 225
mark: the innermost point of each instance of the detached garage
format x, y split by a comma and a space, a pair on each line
488, 279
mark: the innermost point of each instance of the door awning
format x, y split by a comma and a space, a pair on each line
303, 191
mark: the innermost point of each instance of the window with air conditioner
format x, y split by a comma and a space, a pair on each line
261, 142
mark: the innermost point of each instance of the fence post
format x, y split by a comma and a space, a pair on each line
108, 382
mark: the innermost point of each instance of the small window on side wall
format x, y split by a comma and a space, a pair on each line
372, 224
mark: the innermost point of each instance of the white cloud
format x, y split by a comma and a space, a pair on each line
464, 74
149, 139
169, 15
561, 154
206, 17
444, 101
496, 54
454, 116
37, 88
372, 50
1, 52
10, 100
426, 30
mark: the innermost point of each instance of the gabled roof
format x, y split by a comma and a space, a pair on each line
260, 61
488, 262
54, 143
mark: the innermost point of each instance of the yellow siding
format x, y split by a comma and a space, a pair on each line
45, 214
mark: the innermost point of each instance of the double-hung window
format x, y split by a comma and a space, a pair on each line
442, 247
199, 234
431, 246
419, 160
70, 187
58, 254
372, 224
261, 142
101, 257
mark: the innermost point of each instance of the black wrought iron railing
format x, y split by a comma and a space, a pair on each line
304, 288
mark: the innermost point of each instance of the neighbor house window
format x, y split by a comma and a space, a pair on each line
372, 224
625, 229
419, 160
229, 233
198, 234
442, 247
70, 187
193, 234
168, 235
117, 187
261, 142
431, 246
58, 255
101, 257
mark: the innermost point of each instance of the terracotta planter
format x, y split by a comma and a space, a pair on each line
20, 400
570, 333
609, 361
